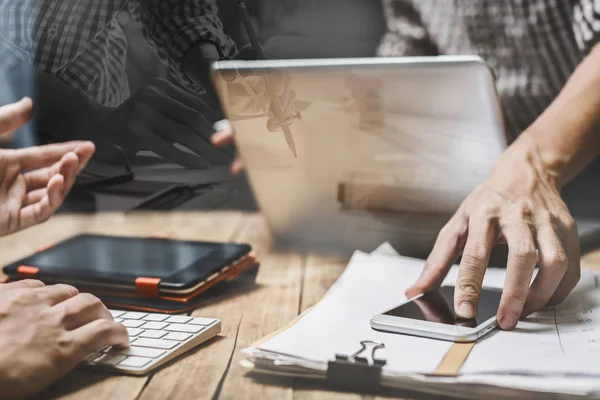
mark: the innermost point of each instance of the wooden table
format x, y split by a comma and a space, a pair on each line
287, 284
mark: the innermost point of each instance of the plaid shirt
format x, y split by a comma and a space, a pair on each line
81, 42
533, 45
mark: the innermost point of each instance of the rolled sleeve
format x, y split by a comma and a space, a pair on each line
586, 24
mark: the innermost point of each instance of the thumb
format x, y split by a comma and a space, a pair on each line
15, 115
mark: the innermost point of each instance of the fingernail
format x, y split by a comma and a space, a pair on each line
508, 321
466, 310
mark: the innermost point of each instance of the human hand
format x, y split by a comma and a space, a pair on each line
34, 181
519, 205
158, 117
224, 137
46, 332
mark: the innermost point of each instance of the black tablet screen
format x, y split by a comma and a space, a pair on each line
122, 256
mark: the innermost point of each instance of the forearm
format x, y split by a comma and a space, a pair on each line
566, 137
197, 61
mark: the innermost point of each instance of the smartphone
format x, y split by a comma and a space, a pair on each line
431, 315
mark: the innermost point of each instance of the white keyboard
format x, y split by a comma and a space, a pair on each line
154, 340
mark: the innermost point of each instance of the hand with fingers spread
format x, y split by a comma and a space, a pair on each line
162, 118
47, 331
34, 181
519, 205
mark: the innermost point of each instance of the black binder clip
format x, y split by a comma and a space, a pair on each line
361, 370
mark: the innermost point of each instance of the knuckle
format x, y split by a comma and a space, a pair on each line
89, 300
569, 224
487, 211
65, 344
68, 289
105, 326
521, 210
516, 295
557, 261
26, 296
475, 255
32, 283
468, 289
525, 252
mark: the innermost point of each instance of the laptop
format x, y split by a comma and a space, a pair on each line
345, 154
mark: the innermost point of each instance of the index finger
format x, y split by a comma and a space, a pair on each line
519, 271
97, 335
483, 232
36, 157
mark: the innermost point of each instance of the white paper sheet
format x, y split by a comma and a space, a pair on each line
561, 340
368, 286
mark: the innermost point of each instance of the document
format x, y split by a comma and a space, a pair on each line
554, 350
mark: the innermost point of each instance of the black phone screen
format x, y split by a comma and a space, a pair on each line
438, 306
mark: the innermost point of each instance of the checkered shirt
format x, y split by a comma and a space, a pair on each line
532, 45
81, 42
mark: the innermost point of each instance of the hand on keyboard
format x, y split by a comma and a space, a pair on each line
46, 331
154, 340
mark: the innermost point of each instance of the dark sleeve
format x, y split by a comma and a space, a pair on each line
586, 23
173, 27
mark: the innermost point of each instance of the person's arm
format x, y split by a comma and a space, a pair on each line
520, 204
187, 35
566, 137
34, 181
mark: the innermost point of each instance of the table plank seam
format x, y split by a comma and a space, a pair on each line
229, 362
239, 228
302, 277
148, 379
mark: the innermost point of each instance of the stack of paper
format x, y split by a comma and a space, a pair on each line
556, 350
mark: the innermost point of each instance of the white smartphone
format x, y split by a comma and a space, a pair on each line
431, 315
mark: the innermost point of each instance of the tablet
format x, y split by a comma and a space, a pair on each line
146, 267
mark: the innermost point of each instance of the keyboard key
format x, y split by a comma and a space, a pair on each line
134, 362
133, 332
133, 315
109, 359
156, 343
119, 320
184, 328
139, 352
116, 313
155, 325
150, 333
202, 321
180, 336
155, 317
131, 323
178, 319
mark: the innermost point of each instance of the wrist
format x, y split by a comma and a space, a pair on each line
197, 61
527, 158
